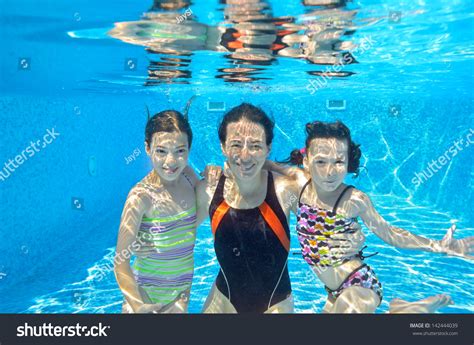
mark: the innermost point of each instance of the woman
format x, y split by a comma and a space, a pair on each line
250, 220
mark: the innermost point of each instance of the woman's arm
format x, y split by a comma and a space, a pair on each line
132, 214
401, 238
292, 172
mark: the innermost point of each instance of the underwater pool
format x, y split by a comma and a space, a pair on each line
86, 72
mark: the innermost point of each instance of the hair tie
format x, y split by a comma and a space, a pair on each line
303, 151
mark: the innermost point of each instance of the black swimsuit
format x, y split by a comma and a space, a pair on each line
252, 249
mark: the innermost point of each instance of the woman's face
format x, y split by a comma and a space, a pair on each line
245, 148
169, 154
327, 162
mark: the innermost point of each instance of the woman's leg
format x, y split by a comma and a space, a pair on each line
356, 299
217, 303
286, 306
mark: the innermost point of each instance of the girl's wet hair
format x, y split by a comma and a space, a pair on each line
338, 130
250, 113
168, 121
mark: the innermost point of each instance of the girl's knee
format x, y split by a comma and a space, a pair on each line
356, 300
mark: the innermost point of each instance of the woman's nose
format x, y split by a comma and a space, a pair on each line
245, 154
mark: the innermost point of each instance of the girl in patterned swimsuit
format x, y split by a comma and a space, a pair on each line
327, 207
161, 210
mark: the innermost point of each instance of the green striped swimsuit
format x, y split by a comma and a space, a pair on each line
168, 271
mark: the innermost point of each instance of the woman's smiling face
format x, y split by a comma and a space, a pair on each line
327, 162
169, 154
245, 148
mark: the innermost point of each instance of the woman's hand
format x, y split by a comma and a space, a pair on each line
451, 246
347, 244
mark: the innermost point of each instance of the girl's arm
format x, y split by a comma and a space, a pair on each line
401, 238
132, 214
211, 173
204, 193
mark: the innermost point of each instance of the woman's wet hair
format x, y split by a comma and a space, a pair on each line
168, 121
338, 130
250, 113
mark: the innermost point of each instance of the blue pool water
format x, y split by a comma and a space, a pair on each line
406, 101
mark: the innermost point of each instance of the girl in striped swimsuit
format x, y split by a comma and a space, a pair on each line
161, 210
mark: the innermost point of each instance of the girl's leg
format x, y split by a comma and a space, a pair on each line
329, 305
356, 299
427, 305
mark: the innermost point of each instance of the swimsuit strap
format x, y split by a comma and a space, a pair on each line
218, 207
271, 193
274, 215
302, 190
187, 178
340, 197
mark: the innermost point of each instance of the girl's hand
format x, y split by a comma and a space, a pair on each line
227, 171
451, 246
148, 308
211, 174
179, 305
347, 244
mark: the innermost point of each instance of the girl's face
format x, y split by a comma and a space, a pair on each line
169, 154
245, 148
327, 162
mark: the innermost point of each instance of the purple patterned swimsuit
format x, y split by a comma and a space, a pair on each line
314, 227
